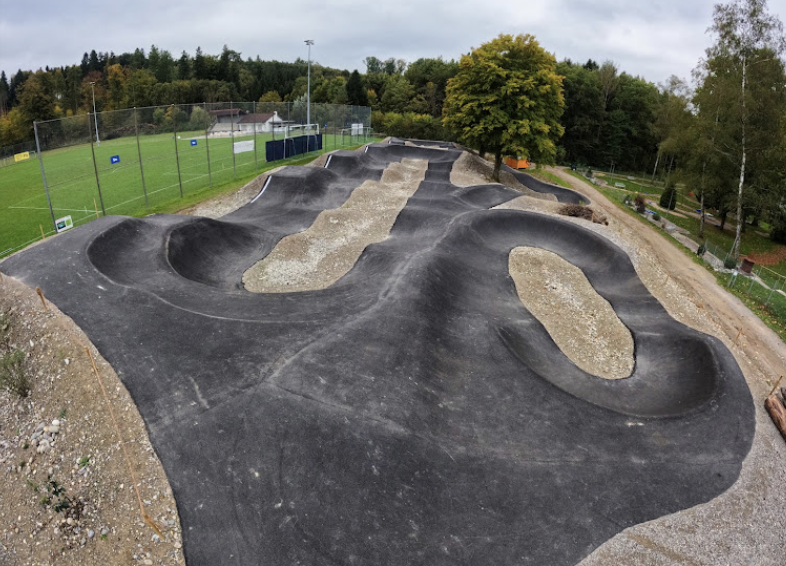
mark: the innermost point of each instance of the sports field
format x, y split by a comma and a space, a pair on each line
172, 167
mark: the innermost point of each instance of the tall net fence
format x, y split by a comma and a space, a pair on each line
135, 161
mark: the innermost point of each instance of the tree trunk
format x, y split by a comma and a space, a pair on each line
701, 200
497, 165
735, 249
655, 171
723, 215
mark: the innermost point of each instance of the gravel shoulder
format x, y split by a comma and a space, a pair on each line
68, 495
745, 525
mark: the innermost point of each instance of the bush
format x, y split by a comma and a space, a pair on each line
656, 217
641, 204
702, 249
12, 371
408, 125
730, 263
12, 374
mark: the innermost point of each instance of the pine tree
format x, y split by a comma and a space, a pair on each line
4, 94
356, 91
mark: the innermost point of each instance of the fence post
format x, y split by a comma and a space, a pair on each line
772, 290
177, 155
207, 147
95, 165
139, 153
43, 174
254, 111
232, 135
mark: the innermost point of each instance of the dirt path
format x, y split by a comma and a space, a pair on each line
746, 525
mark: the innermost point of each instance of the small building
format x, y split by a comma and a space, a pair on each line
256, 123
226, 115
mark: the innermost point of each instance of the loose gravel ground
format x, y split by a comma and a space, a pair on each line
61, 437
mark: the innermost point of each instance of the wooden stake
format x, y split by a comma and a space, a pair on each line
775, 386
145, 517
43, 300
96, 205
777, 413
43, 236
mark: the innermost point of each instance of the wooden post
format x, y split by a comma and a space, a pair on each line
43, 236
43, 300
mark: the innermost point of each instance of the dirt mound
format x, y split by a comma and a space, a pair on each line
68, 496
773, 257
470, 169
581, 322
318, 257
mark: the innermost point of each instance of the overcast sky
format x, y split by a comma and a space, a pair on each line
653, 39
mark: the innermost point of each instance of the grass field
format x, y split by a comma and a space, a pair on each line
127, 187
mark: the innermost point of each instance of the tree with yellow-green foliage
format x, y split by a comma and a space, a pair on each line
507, 100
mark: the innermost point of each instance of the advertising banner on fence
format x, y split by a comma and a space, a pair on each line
242, 147
21, 157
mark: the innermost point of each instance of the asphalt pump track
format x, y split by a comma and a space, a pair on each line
414, 412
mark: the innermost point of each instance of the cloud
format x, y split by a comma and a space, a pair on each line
652, 39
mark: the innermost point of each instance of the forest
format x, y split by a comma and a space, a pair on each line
610, 115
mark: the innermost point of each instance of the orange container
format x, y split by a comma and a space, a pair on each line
517, 163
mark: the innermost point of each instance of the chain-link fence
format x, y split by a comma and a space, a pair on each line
130, 162
12, 154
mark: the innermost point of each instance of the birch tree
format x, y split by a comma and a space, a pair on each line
743, 72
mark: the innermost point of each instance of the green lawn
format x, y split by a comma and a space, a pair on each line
74, 181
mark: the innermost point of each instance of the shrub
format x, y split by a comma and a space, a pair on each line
12, 371
656, 217
702, 249
730, 263
12, 374
641, 204
668, 199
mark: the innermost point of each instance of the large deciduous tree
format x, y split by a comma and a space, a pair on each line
507, 99
742, 86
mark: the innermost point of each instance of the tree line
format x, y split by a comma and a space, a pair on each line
722, 134
609, 116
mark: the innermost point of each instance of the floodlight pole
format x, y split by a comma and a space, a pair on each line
308, 42
92, 87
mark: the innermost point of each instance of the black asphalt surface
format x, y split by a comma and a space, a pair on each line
414, 413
